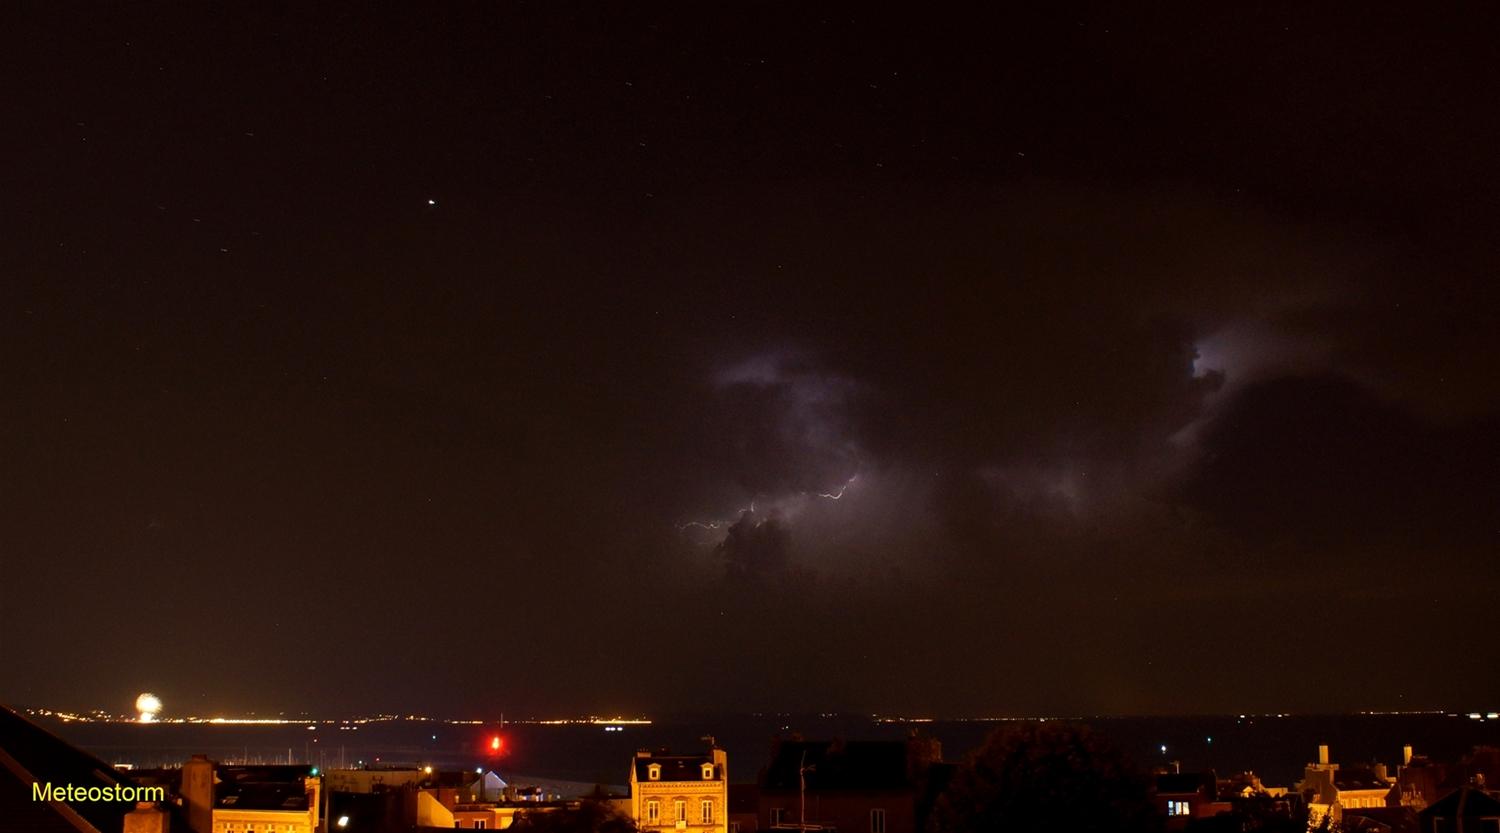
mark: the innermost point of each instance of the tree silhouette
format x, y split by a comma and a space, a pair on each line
587, 817
1037, 777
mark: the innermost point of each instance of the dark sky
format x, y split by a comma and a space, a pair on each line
436, 360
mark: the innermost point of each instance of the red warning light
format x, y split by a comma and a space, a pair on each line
495, 743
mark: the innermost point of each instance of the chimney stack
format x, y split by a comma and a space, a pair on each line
198, 793
1323, 754
145, 818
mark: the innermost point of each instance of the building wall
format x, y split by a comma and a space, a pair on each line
366, 780
847, 811
241, 820
431, 812
263, 821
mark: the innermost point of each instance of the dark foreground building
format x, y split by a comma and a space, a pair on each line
853, 787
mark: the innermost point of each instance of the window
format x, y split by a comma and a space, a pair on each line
1178, 808
653, 810
681, 807
708, 772
654, 772
877, 821
706, 811
778, 816
479, 824
734, 827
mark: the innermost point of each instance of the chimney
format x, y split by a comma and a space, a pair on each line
146, 818
198, 793
1323, 754
1406, 755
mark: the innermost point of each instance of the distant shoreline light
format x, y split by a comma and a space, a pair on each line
312, 723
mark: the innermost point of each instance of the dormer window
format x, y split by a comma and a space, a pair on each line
653, 772
708, 772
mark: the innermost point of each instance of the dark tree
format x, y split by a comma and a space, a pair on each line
1045, 777
587, 817
1259, 813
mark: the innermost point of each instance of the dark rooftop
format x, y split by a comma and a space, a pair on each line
1359, 778
262, 787
261, 797
1173, 783
675, 767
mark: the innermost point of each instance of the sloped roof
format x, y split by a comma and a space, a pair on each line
23, 815
32, 754
1394, 819
675, 767
262, 788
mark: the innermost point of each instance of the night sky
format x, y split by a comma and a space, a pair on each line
528, 357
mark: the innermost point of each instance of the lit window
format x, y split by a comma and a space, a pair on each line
706, 811
681, 807
877, 821
1178, 808
654, 772
653, 810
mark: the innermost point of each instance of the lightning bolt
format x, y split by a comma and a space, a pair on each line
721, 524
840, 493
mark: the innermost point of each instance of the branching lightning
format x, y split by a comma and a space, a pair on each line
715, 525
840, 493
